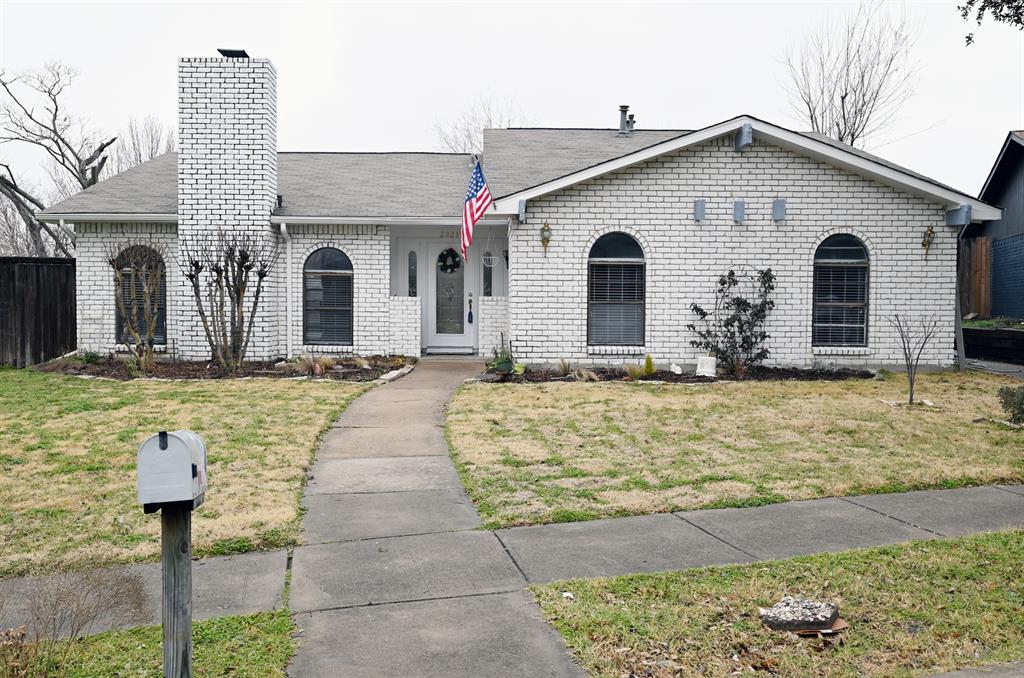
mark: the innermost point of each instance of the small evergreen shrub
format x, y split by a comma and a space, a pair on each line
648, 365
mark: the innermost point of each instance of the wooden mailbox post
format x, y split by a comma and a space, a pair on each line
172, 479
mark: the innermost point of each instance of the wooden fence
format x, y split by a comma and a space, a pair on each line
976, 276
37, 309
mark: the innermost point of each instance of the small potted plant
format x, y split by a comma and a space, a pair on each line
503, 361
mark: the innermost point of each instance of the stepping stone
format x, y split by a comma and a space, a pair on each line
340, 517
952, 513
495, 635
385, 474
373, 571
600, 548
802, 527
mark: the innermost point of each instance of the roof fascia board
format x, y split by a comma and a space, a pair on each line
112, 218
998, 162
385, 221
981, 211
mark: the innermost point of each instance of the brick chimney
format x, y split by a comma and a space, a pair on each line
227, 170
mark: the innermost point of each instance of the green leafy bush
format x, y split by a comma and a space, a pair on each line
1012, 399
733, 330
648, 365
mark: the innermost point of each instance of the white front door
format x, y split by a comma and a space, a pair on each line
449, 301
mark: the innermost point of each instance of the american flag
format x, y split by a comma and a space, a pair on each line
478, 199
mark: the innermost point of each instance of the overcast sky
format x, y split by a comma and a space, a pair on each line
379, 76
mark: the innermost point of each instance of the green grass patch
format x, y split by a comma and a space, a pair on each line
914, 609
67, 456
541, 453
254, 646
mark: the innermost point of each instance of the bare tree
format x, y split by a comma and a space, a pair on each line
848, 80
143, 140
465, 133
33, 112
14, 238
1009, 12
139, 280
227, 283
914, 335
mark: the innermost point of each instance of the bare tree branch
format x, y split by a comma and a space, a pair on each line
914, 336
464, 134
848, 80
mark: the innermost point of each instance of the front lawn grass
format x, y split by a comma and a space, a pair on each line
256, 645
67, 463
555, 452
914, 609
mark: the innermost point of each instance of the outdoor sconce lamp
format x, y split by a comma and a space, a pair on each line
545, 237
926, 241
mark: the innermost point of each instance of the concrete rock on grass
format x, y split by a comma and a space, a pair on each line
798, 614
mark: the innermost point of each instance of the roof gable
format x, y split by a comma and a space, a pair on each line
829, 151
1010, 156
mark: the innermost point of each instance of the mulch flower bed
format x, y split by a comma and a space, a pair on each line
757, 374
345, 369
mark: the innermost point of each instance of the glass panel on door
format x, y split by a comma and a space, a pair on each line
450, 316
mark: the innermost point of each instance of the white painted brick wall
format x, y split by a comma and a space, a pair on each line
227, 178
94, 279
493, 323
404, 322
368, 248
654, 202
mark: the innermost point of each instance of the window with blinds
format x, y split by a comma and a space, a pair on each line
840, 308
138, 299
327, 298
145, 260
615, 292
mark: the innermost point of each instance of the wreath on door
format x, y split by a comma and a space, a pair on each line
449, 261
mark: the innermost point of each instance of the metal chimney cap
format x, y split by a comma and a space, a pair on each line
624, 107
233, 53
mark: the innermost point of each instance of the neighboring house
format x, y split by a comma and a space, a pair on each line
1005, 188
641, 223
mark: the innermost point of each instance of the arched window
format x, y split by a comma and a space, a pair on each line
615, 292
141, 272
840, 312
327, 298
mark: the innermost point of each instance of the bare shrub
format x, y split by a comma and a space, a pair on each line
227, 280
914, 335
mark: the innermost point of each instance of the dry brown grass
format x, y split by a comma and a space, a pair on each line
67, 462
531, 453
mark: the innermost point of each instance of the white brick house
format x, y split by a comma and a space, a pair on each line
640, 223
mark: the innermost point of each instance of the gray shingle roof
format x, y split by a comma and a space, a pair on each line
399, 185
149, 188
518, 158
312, 185
372, 184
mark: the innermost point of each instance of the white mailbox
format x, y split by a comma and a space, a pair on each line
171, 468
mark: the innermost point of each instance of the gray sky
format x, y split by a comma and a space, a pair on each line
379, 76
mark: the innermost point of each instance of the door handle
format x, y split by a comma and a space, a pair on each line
471, 310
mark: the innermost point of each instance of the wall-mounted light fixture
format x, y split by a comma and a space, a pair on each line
545, 237
927, 240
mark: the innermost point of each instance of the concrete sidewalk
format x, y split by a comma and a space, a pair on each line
242, 584
394, 578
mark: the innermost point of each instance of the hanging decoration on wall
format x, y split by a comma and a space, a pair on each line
449, 261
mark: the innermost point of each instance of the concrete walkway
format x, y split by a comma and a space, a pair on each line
393, 578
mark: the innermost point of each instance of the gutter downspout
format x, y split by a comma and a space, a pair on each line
288, 288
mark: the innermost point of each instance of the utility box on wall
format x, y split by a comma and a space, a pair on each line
171, 469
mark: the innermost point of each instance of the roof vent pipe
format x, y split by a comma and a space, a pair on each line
623, 120
630, 122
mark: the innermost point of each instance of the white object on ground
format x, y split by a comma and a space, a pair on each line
676, 369
707, 366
